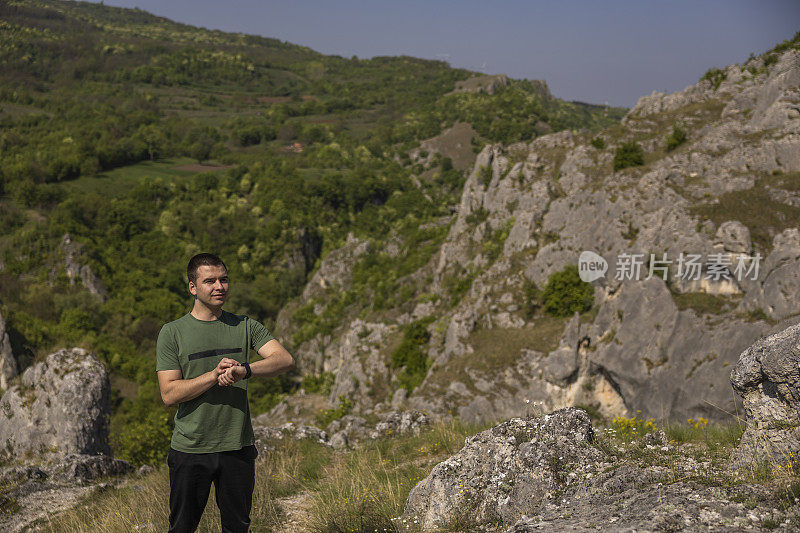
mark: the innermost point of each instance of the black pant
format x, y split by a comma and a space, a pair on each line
190, 478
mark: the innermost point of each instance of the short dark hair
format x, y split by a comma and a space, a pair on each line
204, 259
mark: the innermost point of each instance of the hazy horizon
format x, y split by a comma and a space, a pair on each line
585, 50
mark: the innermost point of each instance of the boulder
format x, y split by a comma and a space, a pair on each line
59, 406
767, 377
400, 423
82, 468
506, 471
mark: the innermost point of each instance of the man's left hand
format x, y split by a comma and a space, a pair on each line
231, 375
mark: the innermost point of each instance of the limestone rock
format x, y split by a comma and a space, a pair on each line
354, 427
734, 237
339, 440
506, 471
8, 363
83, 468
767, 377
59, 407
400, 423
74, 257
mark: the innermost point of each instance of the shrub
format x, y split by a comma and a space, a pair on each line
566, 293
326, 416
628, 155
410, 357
599, 143
676, 138
533, 299
715, 76
145, 441
485, 176
320, 384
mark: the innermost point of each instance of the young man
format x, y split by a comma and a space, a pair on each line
203, 368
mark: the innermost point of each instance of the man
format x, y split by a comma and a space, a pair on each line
203, 367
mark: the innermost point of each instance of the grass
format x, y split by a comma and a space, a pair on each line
119, 180
496, 349
365, 489
755, 209
715, 436
703, 303
360, 490
142, 504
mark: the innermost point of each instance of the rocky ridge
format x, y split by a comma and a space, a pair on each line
529, 209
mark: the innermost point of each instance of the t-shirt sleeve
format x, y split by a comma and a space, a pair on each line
259, 335
167, 351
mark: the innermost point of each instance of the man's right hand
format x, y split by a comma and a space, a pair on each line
224, 365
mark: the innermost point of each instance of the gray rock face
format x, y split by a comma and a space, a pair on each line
507, 471
77, 270
400, 423
83, 468
8, 363
767, 377
59, 407
334, 269
264, 434
528, 210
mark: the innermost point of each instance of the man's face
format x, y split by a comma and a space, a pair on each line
211, 287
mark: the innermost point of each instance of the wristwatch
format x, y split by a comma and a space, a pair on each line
247, 368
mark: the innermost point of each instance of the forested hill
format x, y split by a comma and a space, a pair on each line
105, 117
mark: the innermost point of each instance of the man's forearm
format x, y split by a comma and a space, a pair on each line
183, 390
272, 365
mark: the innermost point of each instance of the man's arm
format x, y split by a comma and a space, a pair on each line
175, 389
276, 360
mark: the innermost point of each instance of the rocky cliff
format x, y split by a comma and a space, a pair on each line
664, 346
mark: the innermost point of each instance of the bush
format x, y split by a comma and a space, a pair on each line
320, 384
566, 293
676, 138
326, 416
628, 155
599, 143
533, 299
145, 441
715, 76
410, 356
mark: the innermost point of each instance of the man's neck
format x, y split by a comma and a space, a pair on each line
205, 313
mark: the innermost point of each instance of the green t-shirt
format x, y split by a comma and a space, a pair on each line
219, 419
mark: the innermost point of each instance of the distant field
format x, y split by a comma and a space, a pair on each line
119, 180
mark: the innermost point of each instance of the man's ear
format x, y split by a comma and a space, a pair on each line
192, 289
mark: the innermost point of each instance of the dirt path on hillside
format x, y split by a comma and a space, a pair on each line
296, 509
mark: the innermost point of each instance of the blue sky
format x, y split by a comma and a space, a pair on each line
586, 50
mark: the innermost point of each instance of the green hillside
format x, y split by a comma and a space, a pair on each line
105, 115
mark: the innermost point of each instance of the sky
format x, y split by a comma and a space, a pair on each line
593, 51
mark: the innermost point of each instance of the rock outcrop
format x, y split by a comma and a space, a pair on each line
767, 377
552, 473
661, 342
8, 363
76, 268
507, 471
59, 407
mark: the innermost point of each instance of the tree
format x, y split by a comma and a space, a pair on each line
628, 155
566, 293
